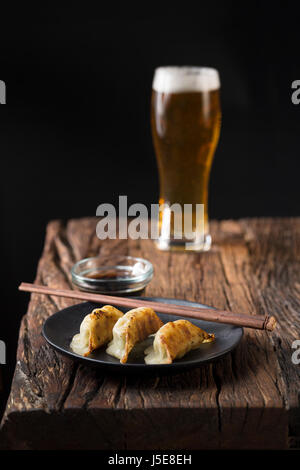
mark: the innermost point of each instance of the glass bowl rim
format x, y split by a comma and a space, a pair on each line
139, 278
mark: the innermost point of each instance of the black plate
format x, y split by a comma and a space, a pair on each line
60, 328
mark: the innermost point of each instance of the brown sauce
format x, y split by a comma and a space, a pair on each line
109, 274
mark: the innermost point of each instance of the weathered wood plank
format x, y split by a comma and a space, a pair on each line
249, 399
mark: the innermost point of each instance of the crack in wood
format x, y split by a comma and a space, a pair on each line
217, 397
63, 398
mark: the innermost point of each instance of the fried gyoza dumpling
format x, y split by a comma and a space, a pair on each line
95, 330
135, 326
174, 340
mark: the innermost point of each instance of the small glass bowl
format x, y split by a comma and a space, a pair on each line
112, 274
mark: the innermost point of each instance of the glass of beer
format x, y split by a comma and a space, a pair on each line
185, 121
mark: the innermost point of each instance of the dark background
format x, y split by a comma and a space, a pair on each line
75, 131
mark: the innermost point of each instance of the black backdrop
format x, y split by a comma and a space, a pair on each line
75, 131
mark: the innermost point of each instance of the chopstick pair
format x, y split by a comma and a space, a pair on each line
209, 314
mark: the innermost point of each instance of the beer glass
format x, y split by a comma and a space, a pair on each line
185, 121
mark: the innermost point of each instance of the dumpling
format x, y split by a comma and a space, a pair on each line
135, 326
174, 340
95, 330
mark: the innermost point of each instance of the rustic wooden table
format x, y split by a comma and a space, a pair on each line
248, 399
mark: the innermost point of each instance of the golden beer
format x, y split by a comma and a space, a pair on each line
185, 120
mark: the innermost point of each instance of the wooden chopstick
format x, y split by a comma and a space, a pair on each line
209, 314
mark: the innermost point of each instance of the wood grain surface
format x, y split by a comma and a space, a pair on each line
248, 399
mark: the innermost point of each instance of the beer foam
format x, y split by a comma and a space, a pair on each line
181, 79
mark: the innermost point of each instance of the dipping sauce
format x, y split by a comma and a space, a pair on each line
117, 274
109, 274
